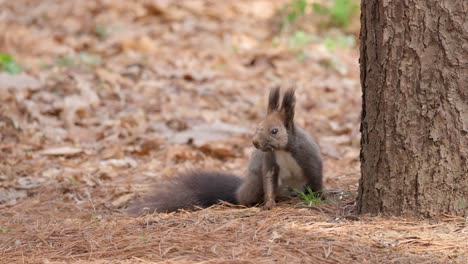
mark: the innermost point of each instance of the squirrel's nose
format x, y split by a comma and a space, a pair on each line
255, 143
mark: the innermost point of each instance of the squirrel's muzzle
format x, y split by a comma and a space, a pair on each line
256, 143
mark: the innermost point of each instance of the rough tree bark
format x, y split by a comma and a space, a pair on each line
414, 76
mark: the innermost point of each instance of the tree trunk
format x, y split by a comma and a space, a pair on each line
414, 76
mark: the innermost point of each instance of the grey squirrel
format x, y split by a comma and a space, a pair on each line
285, 158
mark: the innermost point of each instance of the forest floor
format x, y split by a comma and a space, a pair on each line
116, 95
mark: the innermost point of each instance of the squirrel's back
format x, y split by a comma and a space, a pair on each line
185, 191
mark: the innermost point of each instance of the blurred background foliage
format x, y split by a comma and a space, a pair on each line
333, 23
297, 26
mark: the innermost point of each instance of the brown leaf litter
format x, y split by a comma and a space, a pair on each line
227, 234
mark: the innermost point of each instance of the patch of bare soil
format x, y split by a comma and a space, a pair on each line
118, 94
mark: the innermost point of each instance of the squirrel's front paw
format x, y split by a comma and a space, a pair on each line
269, 205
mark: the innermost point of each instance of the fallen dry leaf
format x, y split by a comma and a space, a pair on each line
29, 182
122, 200
181, 153
61, 151
19, 81
330, 150
204, 133
119, 163
141, 44
219, 150
11, 196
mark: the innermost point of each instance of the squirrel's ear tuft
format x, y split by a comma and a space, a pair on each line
287, 107
273, 99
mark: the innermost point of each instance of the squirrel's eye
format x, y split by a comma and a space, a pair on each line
274, 131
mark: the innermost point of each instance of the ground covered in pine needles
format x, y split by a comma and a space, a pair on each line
101, 99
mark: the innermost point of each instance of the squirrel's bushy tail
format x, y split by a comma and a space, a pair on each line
185, 191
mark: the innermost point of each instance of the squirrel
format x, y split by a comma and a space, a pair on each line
285, 159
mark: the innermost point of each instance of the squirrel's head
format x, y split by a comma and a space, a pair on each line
273, 131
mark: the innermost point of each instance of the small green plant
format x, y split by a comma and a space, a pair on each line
102, 31
344, 41
73, 181
8, 64
89, 59
96, 217
299, 39
292, 11
4, 230
81, 59
310, 197
65, 61
342, 11
339, 14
